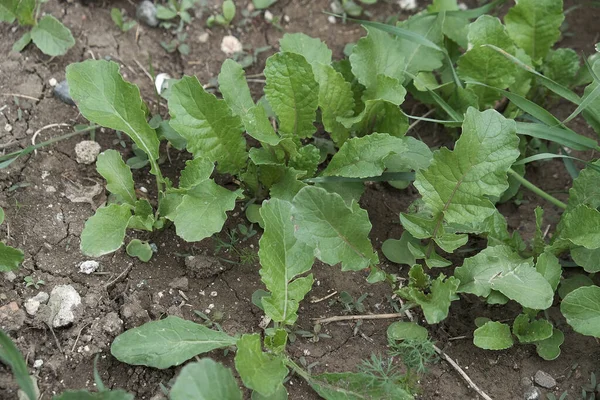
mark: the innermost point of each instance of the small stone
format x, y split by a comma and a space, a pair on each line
38, 363
10, 276
231, 45
203, 37
161, 82
286, 18
407, 5
112, 324
52, 82
179, 283
61, 92
153, 247
33, 304
12, 317
213, 293
526, 382
544, 379
268, 16
89, 266
87, 151
64, 299
146, 13
8, 127
532, 393
331, 19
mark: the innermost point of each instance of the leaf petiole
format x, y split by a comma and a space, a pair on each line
537, 190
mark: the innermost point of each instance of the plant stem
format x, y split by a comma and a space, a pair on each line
537, 190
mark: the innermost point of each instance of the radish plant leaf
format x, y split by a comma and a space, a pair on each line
104, 232
119, 180
205, 380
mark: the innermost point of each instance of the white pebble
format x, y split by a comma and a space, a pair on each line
143, 189
160, 83
38, 363
86, 151
331, 19
268, 16
407, 4
53, 82
231, 45
89, 266
8, 127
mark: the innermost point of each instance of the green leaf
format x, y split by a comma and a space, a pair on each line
259, 371
574, 282
549, 267
436, 303
166, 343
565, 137
356, 386
500, 268
588, 259
312, 49
562, 66
457, 183
307, 160
534, 331
25, 11
581, 308
11, 357
581, 226
366, 156
117, 17
52, 37
377, 54
143, 218
419, 57
585, 189
397, 250
205, 380
262, 4
119, 180
104, 232
208, 125
165, 13
283, 258
279, 394
228, 10
1, 215
139, 249
292, 91
534, 25
10, 258
549, 349
23, 41
493, 336
406, 330
8, 9
103, 97
234, 88
483, 64
103, 395
337, 232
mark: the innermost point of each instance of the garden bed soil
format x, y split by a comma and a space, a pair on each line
45, 223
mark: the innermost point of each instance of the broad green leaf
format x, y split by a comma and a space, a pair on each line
531, 331
208, 125
119, 180
201, 212
549, 267
337, 232
312, 49
485, 65
562, 66
585, 189
279, 394
23, 41
534, 25
588, 259
356, 386
397, 250
103, 97
8, 9
196, 171
276, 341
25, 12
139, 249
262, 4
493, 336
335, 100
166, 343
549, 349
581, 226
581, 308
406, 330
51, 36
10, 258
205, 380
451, 241
457, 182
165, 13
572, 283
234, 88
500, 268
418, 57
288, 186
283, 258
259, 371
143, 216
379, 116
104, 232
292, 91
377, 54
12, 358
307, 160
436, 303
1, 216
85, 395
366, 156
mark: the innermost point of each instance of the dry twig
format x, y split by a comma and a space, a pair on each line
462, 373
35, 135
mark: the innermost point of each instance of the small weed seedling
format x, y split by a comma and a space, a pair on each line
30, 281
121, 21
225, 18
168, 15
47, 33
10, 258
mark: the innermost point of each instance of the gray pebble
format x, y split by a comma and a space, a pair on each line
532, 393
179, 283
61, 92
146, 13
544, 379
63, 301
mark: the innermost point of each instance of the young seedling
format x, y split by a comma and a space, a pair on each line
122, 22
30, 281
47, 33
225, 18
10, 257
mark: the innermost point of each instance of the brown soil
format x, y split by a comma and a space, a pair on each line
46, 225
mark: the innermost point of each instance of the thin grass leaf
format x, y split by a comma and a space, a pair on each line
547, 82
437, 121
570, 165
545, 156
385, 177
476, 12
400, 32
10, 355
556, 134
587, 100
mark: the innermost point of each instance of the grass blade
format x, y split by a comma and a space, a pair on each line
449, 123
385, 177
477, 12
547, 82
10, 355
545, 156
400, 32
587, 100
564, 137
